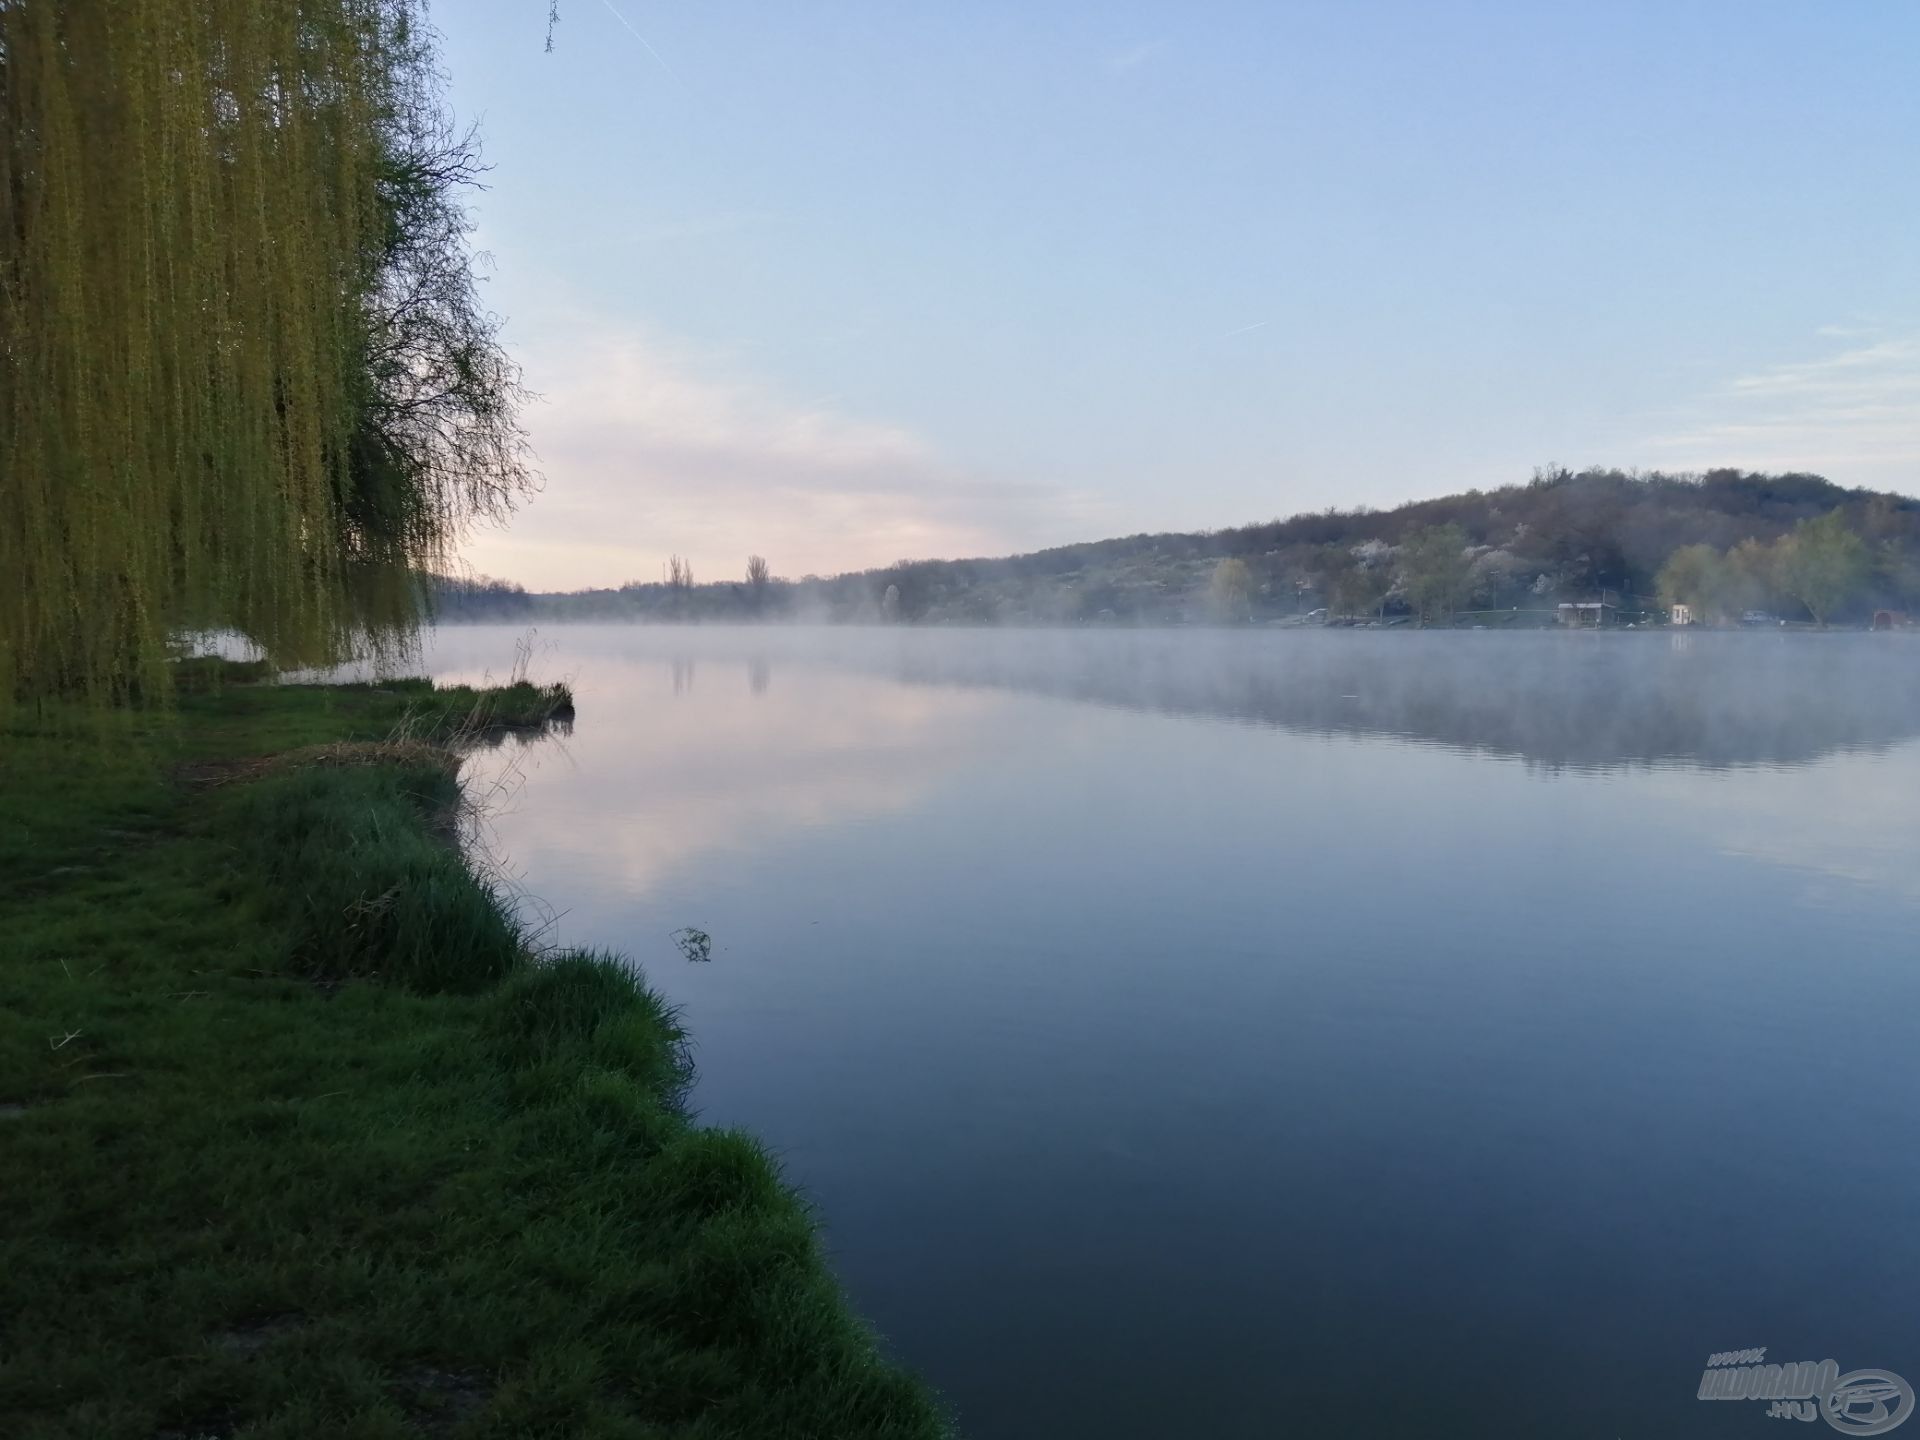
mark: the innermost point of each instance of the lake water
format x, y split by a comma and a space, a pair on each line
1231, 1034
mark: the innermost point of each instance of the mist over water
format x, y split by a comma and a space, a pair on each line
1247, 1034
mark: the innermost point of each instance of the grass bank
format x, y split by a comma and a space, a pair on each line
296, 1139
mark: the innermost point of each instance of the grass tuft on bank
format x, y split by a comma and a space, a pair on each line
300, 1141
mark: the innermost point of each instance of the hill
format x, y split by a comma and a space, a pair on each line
1520, 549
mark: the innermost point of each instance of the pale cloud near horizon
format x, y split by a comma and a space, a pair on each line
1851, 414
651, 449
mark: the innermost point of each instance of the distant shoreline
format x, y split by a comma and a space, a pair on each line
1396, 623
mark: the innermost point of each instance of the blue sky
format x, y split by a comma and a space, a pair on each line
843, 283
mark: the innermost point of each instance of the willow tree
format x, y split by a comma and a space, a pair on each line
1823, 563
244, 380
1230, 590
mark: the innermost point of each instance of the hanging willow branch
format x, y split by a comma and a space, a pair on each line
244, 378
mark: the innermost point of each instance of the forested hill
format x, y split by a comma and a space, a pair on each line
1748, 540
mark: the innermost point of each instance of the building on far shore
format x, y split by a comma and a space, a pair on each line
1892, 620
1589, 614
1680, 615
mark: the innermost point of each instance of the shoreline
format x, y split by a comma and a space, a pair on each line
1290, 626
305, 1139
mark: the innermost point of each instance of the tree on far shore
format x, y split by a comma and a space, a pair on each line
1823, 564
1693, 576
1230, 592
1437, 570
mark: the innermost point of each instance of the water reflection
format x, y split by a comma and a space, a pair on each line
1263, 1049
1586, 700
870, 723
690, 773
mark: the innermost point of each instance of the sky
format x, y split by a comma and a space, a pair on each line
848, 282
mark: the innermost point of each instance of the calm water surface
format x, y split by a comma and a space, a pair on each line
1284, 1034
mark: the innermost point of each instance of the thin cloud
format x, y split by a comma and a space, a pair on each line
1851, 414
658, 57
1847, 371
1134, 58
624, 234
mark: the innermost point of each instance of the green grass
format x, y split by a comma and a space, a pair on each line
296, 1141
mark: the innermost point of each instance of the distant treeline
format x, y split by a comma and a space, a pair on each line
1727, 542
